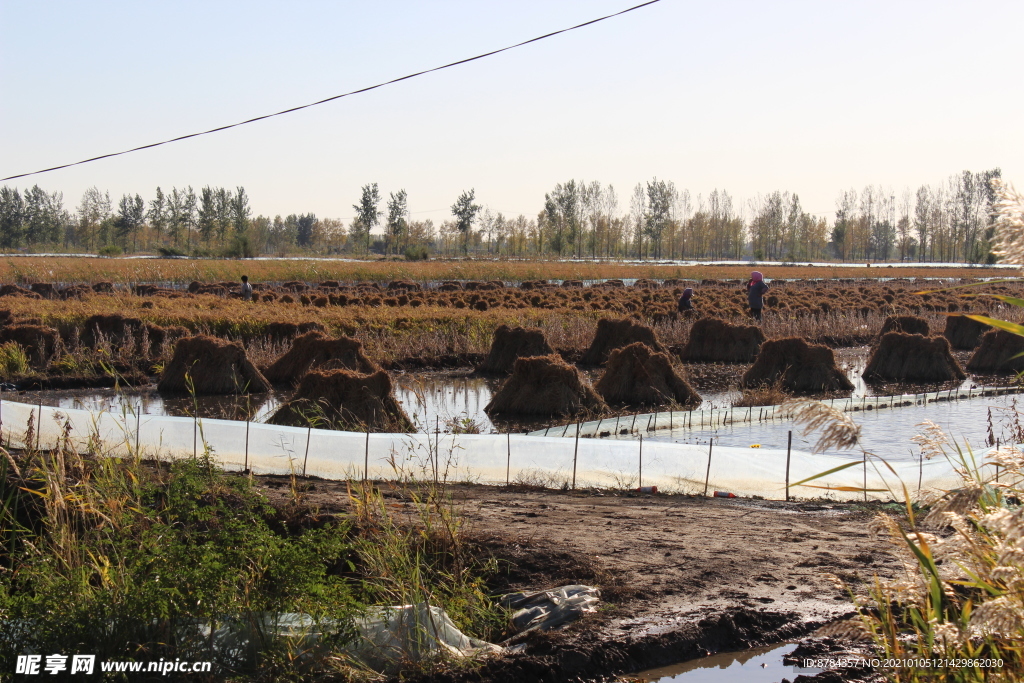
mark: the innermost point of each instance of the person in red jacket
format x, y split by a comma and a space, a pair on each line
756, 290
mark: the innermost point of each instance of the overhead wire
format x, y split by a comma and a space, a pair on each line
335, 97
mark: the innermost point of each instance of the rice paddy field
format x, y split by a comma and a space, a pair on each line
682, 576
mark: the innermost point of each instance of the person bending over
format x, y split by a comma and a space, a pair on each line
685, 301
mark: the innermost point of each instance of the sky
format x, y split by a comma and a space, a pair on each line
744, 95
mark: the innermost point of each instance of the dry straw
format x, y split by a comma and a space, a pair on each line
838, 430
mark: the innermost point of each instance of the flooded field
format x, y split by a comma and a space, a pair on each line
454, 401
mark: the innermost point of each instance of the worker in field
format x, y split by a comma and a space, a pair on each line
686, 300
756, 289
246, 289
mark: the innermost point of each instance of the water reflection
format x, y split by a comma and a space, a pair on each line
885, 432
757, 665
456, 400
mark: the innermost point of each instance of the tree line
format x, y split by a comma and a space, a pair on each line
949, 222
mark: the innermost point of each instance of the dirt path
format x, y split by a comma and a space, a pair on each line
681, 575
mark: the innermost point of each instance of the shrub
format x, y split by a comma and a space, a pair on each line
110, 250
416, 252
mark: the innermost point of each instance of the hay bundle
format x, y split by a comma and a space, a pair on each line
316, 350
38, 341
346, 400
714, 340
638, 376
284, 331
44, 289
77, 292
615, 334
797, 367
544, 386
914, 358
15, 290
403, 286
216, 366
907, 324
963, 332
511, 343
995, 352
113, 327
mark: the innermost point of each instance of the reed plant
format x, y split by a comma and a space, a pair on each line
956, 610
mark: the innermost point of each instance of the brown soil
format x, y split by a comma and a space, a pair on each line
680, 576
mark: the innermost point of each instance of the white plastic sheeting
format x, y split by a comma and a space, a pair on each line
545, 610
550, 461
382, 638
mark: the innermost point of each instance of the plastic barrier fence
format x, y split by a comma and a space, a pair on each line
495, 459
641, 423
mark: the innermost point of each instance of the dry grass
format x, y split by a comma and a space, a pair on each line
79, 269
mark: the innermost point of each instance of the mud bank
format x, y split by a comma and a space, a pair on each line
681, 576
577, 654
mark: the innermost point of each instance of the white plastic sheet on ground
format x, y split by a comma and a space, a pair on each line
484, 458
383, 638
545, 610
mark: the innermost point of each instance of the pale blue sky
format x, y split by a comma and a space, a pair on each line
810, 97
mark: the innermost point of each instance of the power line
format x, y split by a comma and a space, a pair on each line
335, 97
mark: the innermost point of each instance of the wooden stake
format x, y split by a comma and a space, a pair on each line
309, 433
640, 475
789, 448
575, 451
707, 475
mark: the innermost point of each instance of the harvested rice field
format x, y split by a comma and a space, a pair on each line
493, 348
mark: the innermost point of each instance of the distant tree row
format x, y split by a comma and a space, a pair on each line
947, 222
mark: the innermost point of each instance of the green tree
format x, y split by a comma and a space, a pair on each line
367, 213
305, 226
157, 213
131, 213
398, 210
240, 211
660, 198
464, 211
207, 213
12, 216
222, 203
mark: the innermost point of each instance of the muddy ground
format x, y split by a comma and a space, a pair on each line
681, 576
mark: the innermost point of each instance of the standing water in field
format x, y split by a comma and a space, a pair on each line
756, 665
